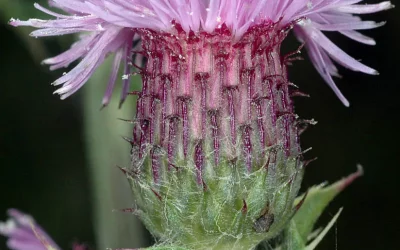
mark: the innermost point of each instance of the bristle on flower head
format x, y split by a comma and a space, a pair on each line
109, 27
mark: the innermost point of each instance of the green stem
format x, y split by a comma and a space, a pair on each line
105, 150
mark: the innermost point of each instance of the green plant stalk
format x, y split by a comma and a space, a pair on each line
106, 150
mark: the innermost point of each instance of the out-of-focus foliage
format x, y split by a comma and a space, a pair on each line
107, 150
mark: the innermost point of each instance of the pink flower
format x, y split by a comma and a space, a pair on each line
215, 143
24, 234
109, 26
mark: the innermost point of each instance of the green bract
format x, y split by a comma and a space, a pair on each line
231, 209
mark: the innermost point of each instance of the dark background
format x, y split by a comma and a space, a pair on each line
42, 155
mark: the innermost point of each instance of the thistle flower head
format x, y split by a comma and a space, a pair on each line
110, 27
216, 160
24, 234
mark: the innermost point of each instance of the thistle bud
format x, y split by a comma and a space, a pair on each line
215, 152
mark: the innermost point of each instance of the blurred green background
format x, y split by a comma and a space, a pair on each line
57, 157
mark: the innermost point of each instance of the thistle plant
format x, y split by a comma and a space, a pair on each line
216, 161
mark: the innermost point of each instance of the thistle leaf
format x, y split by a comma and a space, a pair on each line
318, 198
320, 236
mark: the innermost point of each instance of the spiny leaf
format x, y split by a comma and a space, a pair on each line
317, 200
299, 231
320, 236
